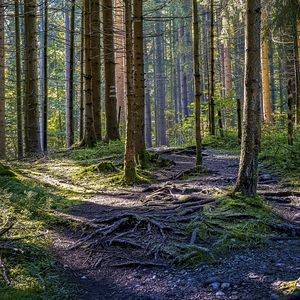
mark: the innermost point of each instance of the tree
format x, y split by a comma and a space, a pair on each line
139, 81
96, 66
70, 32
197, 84
18, 80
32, 132
129, 162
112, 130
89, 135
248, 170
2, 84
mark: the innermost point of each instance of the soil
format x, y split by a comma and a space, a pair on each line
248, 274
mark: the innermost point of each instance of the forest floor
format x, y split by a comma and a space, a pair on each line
181, 237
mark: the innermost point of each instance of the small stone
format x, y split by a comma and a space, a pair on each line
220, 294
279, 265
215, 285
274, 296
154, 277
210, 280
83, 277
265, 177
225, 285
296, 218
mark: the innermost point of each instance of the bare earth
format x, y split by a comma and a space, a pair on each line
247, 275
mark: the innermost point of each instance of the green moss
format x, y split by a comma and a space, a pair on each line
287, 287
6, 171
106, 167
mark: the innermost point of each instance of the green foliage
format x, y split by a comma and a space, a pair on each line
277, 154
229, 142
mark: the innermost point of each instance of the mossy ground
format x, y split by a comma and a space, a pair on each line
34, 273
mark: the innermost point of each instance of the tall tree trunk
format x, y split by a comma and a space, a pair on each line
139, 81
267, 108
161, 138
297, 67
96, 66
81, 102
2, 84
120, 57
148, 125
18, 80
112, 130
32, 141
212, 71
197, 84
42, 68
272, 75
45, 78
89, 136
70, 76
129, 163
67, 37
248, 170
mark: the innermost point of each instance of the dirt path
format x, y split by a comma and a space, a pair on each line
247, 275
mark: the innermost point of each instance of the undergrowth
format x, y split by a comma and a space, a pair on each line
234, 223
33, 273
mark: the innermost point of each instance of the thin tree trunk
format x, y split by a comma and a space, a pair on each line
197, 84
89, 136
45, 77
248, 170
212, 71
129, 163
297, 68
81, 102
32, 141
18, 80
267, 108
148, 125
2, 84
96, 67
139, 81
112, 130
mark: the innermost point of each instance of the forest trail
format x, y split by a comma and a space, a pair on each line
129, 237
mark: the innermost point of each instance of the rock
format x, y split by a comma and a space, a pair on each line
84, 277
274, 296
265, 177
296, 218
225, 285
215, 285
220, 294
210, 280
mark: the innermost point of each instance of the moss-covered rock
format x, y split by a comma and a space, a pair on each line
6, 171
106, 167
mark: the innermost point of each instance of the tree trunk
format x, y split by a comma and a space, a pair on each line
45, 78
18, 80
112, 130
197, 84
89, 136
96, 66
2, 84
267, 108
81, 102
32, 141
129, 163
212, 72
248, 170
297, 68
120, 57
161, 138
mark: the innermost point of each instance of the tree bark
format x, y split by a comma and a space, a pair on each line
45, 78
32, 132
212, 72
2, 84
18, 80
112, 130
96, 66
248, 170
129, 162
197, 84
139, 82
267, 108
89, 136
